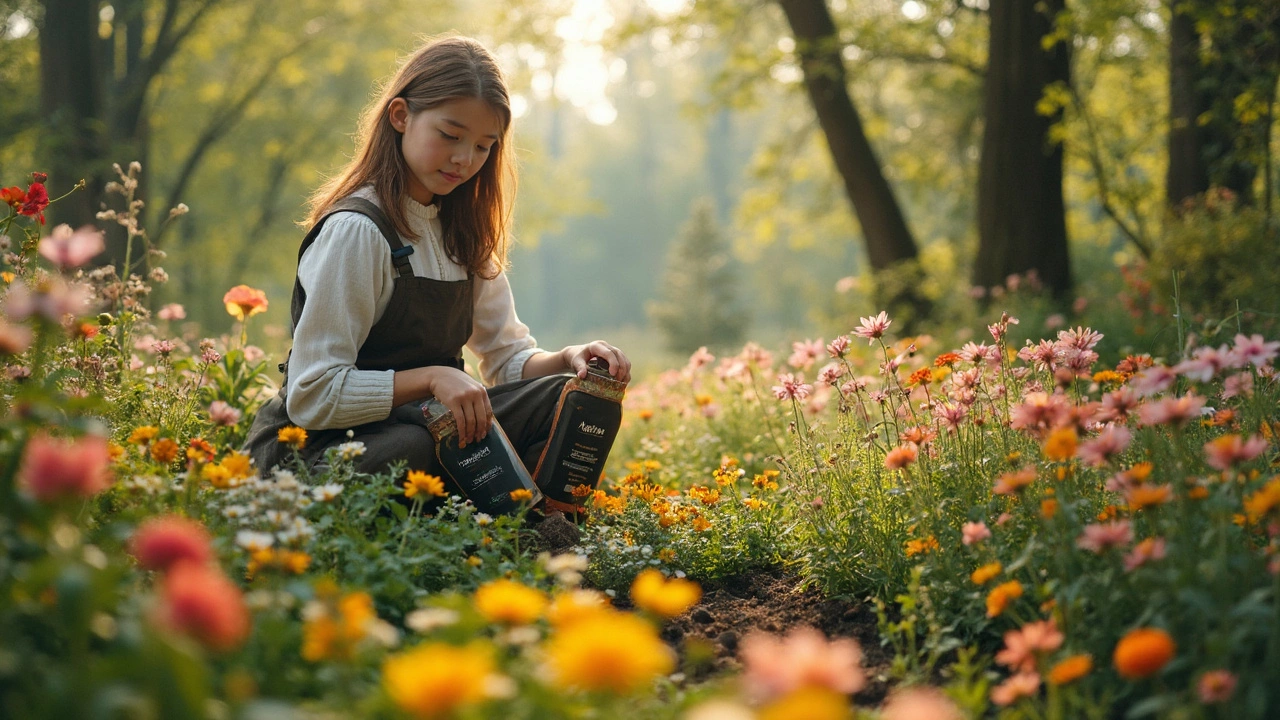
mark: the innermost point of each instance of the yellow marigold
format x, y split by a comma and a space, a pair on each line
573, 605
293, 436
1107, 376
647, 492
521, 495
114, 451
294, 562
143, 435
217, 475
755, 503
765, 481
607, 651
319, 637
1108, 513
334, 630
509, 602
645, 413
654, 592
1260, 504
651, 465
1001, 595
418, 481
238, 465
1013, 482
1144, 496
1139, 472
1061, 444
1048, 508
581, 491
708, 496
667, 555
922, 546
437, 680
808, 702
165, 451
703, 399
727, 475
700, 524
1143, 652
983, 574
1070, 669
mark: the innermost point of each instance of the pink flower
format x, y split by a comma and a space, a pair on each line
804, 353
952, 415
974, 532
1041, 356
52, 299
14, 339
699, 358
1204, 363
920, 703
162, 542
253, 353
873, 327
791, 387
1225, 452
222, 414
1021, 646
67, 248
1081, 338
1098, 537
1171, 411
1024, 684
1117, 404
1040, 411
1240, 384
999, 329
1103, 449
973, 353
830, 374
1153, 380
1152, 548
1255, 349
838, 347
199, 601
1216, 686
172, 311
53, 468
803, 659
901, 456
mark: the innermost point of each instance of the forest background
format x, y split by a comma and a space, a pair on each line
699, 172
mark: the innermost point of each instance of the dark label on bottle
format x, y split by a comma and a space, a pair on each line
487, 471
577, 450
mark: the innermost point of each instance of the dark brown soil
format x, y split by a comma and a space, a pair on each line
707, 636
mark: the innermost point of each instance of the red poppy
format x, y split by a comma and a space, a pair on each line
37, 201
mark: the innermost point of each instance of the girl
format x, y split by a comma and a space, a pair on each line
402, 267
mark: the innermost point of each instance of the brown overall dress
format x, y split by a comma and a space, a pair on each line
426, 322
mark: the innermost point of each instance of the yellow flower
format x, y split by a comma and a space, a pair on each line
1144, 496
509, 602
217, 475
143, 435
700, 524
1261, 503
237, 465
984, 574
475, 561
420, 482
1000, 597
436, 679
922, 546
1048, 508
653, 592
293, 436
755, 503
1107, 376
810, 703
1061, 444
667, 555
1070, 669
609, 651
1139, 472
114, 451
164, 451
573, 605
522, 495
333, 632
702, 399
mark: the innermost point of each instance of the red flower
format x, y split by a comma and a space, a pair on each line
52, 467
37, 200
12, 196
39, 177
198, 600
162, 542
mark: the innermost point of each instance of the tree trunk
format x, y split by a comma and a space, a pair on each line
889, 241
71, 101
1188, 173
1021, 217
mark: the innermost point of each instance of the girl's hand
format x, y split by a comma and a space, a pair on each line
467, 400
576, 358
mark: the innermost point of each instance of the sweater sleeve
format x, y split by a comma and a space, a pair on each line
343, 274
498, 338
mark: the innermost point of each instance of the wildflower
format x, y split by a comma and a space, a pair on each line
1224, 452
1048, 508
775, 666
224, 415
791, 387
1238, 385
607, 651
292, 436
1024, 684
1143, 652
1103, 449
1260, 504
254, 541
327, 492
1152, 548
755, 503
1098, 537
1145, 496
901, 456
165, 451
244, 302
804, 353
922, 546
811, 703
920, 703
973, 533
1216, 686
36, 200
700, 358
436, 680
238, 465
521, 495
143, 435
350, 450
509, 602
1255, 349
1061, 444
14, 339
838, 347
162, 542
199, 601
952, 415
1000, 597
873, 327
420, 482
425, 620
573, 605
68, 249
333, 630
52, 468
667, 597
985, 573
1022, 646
1070, 669
1108, 377
1171, 411
1011, 483
172, 311
700, 524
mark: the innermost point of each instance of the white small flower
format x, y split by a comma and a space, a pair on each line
351, 450
325, 493
383, 633
234, 512
427, 619
279, 517
567, 562
483, 519
285, 480
314, 610
253, 541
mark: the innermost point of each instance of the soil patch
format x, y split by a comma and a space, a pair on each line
773, 601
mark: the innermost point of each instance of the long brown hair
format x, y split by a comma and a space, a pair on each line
475, 218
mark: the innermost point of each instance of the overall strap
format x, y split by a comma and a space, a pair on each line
399, 251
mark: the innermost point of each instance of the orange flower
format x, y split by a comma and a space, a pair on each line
1048, 508
201, 602
664, 596
54, 467
1061, 444
1013, 482
244, 302
900, 457
164, 451
922, 546
1070, 669
292, 436
420, 482
521, 495
1143, 652
1144, 496
984, 574
1000, 597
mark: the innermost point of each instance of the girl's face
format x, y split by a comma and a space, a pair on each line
446, 145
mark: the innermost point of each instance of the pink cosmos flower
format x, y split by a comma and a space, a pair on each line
1081, 338
1153, 380
1041, 355
1024, 684
952, 415
804, 658
1040, 411
1225, 452
53, 467
920, 703
52, 299
855, 385
222, 414
14, 339
1152, 548
699, 358
999, 329
253, 353
1216, 686
68, 249
1238, 385
972, 352
162, 542
1117, 404
1103, 449
1171, 411
804, 353
974, 532
172, 311
838, 347
756, 355
1203, 364
1021, 646
830, 374
1255, 349
873, 327
791, 387
1098, 537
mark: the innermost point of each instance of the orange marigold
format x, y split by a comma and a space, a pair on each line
1001, 595
1070, 669
164, 451
1143, 652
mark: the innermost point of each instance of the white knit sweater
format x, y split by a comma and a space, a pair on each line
348, 277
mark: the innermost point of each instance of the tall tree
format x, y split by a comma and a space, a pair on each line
889, 241
1021, 215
